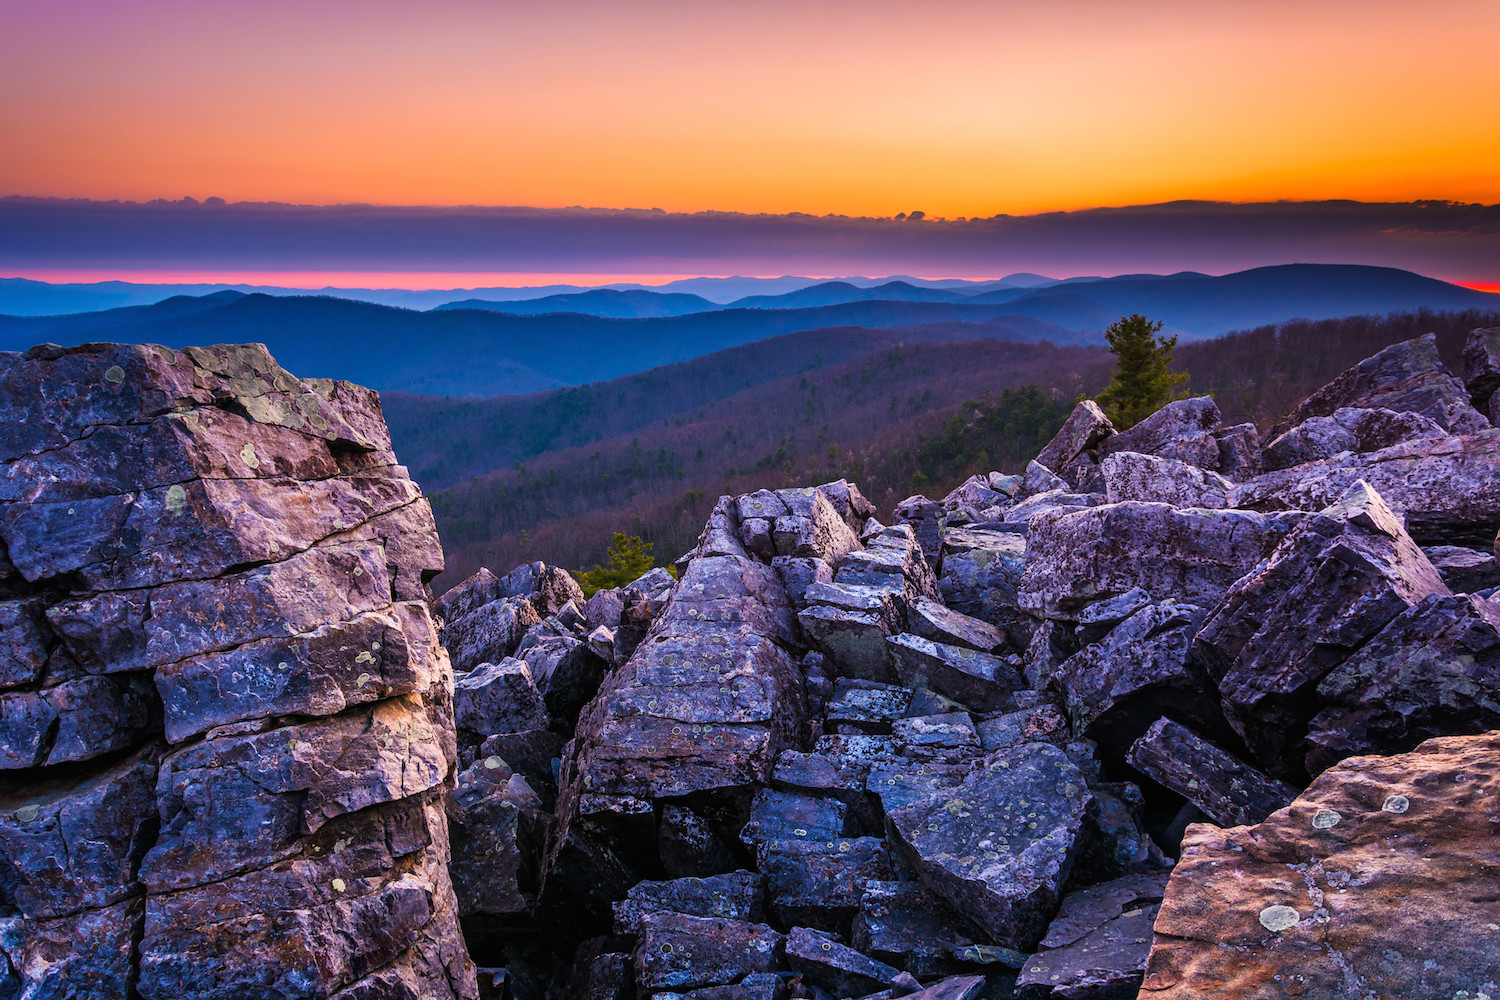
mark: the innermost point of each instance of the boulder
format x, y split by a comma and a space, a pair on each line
981, 681
1074, 558
1482, 371
498, 698
1434, 670
981, 577
675, 951
495, 844
1182, 430
1114, 690
849, 624
1000, 846
1376, 881
1229, 791
1040, 479
1408, 377
1097, 945
1239, 451
1360, 430
1334, 582
932, 620
735, 896
1464, 570
1130, 475
467, 596
904, 924
925, 520
489, 634
892, 560
1072, 452
835, 967
818, 883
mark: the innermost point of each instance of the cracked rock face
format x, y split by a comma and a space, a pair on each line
1379, 880
225, 710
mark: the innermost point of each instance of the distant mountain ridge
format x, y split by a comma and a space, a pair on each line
489, 349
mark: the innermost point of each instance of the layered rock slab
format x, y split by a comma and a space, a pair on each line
1379, 880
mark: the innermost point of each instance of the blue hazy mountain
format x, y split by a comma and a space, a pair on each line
604, 302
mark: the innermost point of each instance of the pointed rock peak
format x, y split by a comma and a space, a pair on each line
1361, 505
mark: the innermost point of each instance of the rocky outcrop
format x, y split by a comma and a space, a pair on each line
226, 715
1379, 880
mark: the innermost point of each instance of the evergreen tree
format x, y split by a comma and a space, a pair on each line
629, 556
1143, 381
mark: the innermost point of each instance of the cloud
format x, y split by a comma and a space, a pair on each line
1442, 239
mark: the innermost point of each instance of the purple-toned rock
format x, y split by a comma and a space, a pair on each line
981, 577
1097, 945
1380, 874
467, 596
813, 529
849, 624
88, 955
1182, 430
1348, 429
488, 634
925, 519
76, 720
1114, 690
735, 896
981, 681
24, 641
1000, 846
567, 672
1408, 377
975, 494
1239, 451
932, 620
1334, 582
496, 849
799, 573
1482, 371
498, 698
1073, 451
818, 883
949, 738
1040, 479
865, 706
1039, 724
1433, 671
678, 952
892, 560
904, 924
835, 967
1074, 558
1228, 790
1129, 475
1464, 570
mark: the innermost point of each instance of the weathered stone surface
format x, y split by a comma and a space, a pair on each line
1072, 451
778, 815
893, 560
1464, 570
849, 624
1228, 790
1074, 558
76, 720
1041, 724
930, 619
1129, 475
246, 566
981, 681
1407, 377
925, 519
818, 883
69, 844
865, 705
800, 573
982, 575
735, 896
1181, 430
1107, 962
947, 738
1001, 845
567, 672
1481, 370
1329, 586
904, 924
1378, 880
488, 634
494, 840
1239, 451
467, 596
1114, 690
1040, 479
1448, 488
498, 698
682, 952
1348, 429
834, 966
1434, 670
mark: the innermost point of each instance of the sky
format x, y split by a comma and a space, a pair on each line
869, 108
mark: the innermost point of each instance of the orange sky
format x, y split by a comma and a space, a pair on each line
870, 107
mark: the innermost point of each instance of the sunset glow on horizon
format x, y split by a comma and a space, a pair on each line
957, 109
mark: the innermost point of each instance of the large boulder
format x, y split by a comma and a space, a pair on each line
1434, 670
1334, 582
1348, 429
1000, 845
1073, 451
1379, 880
1075, 558
1129, 475
1182, 430
1482, 371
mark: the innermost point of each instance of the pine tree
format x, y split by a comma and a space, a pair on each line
628, 557
1143, 380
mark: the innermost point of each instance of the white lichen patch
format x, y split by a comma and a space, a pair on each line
1396, 804
248, 456
176, 499
1325, 819
1278, 918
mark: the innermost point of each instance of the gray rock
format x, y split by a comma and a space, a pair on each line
925, 518
494, 840
1408, 377
1482, 368
678, 952
904, 924
1464, 570
1434, 670
1040, 479
1000, 863
865, 705
1239, 451
818, 883
489, 634
949, 738
1230, 791
849, 624
467, 596
982, 575
1098, 944
1073, 451
735, 896
1348, 430
833, 966
932, 620
1074, 558
498, 698
1182, 430
981, 681
1129, 475
1335, 581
